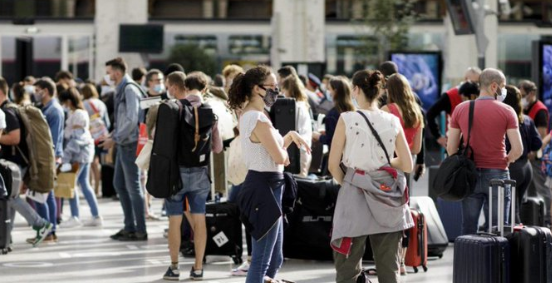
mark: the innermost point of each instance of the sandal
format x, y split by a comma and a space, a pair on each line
371, 271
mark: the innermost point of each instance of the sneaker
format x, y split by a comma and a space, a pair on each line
241, 270
73, 222
94, 222
120, 234
196, 275
152, 217
134, 237
42, 232
172, 274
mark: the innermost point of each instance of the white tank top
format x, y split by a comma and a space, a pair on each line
361, 147
255, 155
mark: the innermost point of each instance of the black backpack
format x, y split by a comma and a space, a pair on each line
164, 173
196, 127
457, 175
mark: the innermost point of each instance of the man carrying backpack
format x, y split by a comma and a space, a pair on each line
14, 147
125, 136
199, 135
492, 120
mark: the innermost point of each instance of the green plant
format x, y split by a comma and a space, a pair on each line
193, 58
390, 22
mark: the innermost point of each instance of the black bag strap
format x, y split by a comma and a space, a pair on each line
376, 135
470, 124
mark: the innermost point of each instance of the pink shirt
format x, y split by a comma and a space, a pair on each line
216, 142
491, 120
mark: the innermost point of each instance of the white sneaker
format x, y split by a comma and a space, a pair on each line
72, 222
241, 270
94, 222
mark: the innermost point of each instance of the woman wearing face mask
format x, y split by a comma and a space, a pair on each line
19, 94
96, 110
370, 167
265, 154
294, 88
79, 149
521, 170
340, 91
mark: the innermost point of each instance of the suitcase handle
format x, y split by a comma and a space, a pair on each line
500, 204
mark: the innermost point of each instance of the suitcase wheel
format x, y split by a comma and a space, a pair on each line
425, 268
415, 269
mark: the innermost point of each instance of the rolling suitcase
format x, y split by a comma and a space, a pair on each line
530, 249
437, 240
485, 257
451, 217
532, 211
307, 235
416, 254
224, 230
4, 226
284, 118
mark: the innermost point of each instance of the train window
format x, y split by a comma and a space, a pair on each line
249, 44
206, 42
355, 53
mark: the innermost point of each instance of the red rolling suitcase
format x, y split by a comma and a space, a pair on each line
485, 258
416, 254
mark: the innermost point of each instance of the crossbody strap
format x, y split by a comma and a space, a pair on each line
376, 135
470, 124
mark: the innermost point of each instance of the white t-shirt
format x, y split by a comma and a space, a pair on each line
78, 118
255, 155
2, 120
361, 147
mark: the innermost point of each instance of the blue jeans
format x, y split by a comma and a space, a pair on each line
471, 206
127, 185
84, 183
48, 210
195, 189
267, 256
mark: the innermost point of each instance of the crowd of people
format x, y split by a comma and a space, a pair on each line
373, 123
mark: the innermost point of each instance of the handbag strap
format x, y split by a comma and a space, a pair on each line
470, 124
96, 111
376, 135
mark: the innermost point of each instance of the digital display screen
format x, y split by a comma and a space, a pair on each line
141, 38
547, 74
423, 71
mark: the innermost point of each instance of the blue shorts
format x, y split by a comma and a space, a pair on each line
195, 189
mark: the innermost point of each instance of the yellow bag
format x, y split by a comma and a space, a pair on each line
66, 183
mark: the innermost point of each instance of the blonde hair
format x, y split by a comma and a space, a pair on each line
294, 88
400, 93
232, 70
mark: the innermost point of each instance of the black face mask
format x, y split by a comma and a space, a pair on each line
270, 96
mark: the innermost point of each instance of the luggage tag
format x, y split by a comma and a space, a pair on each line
220, 239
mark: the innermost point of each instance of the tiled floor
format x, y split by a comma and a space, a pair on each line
88, 255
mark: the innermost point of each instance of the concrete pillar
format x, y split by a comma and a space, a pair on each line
208, 9
109, 15
223, 9
491, 31
460, 52
298, 31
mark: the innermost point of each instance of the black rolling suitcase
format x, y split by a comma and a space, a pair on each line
437, 240
532, 211
307, 235
4, 226
284, 118
484, 258
224, 230
531, 254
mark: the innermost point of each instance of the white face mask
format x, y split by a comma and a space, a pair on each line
524, 102
503, 92
30, 89
169, 95
108, 80
106, 89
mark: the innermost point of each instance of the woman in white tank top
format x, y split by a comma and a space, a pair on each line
356, 218
265, 155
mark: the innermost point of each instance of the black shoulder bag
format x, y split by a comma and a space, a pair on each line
457, 174
376, 135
